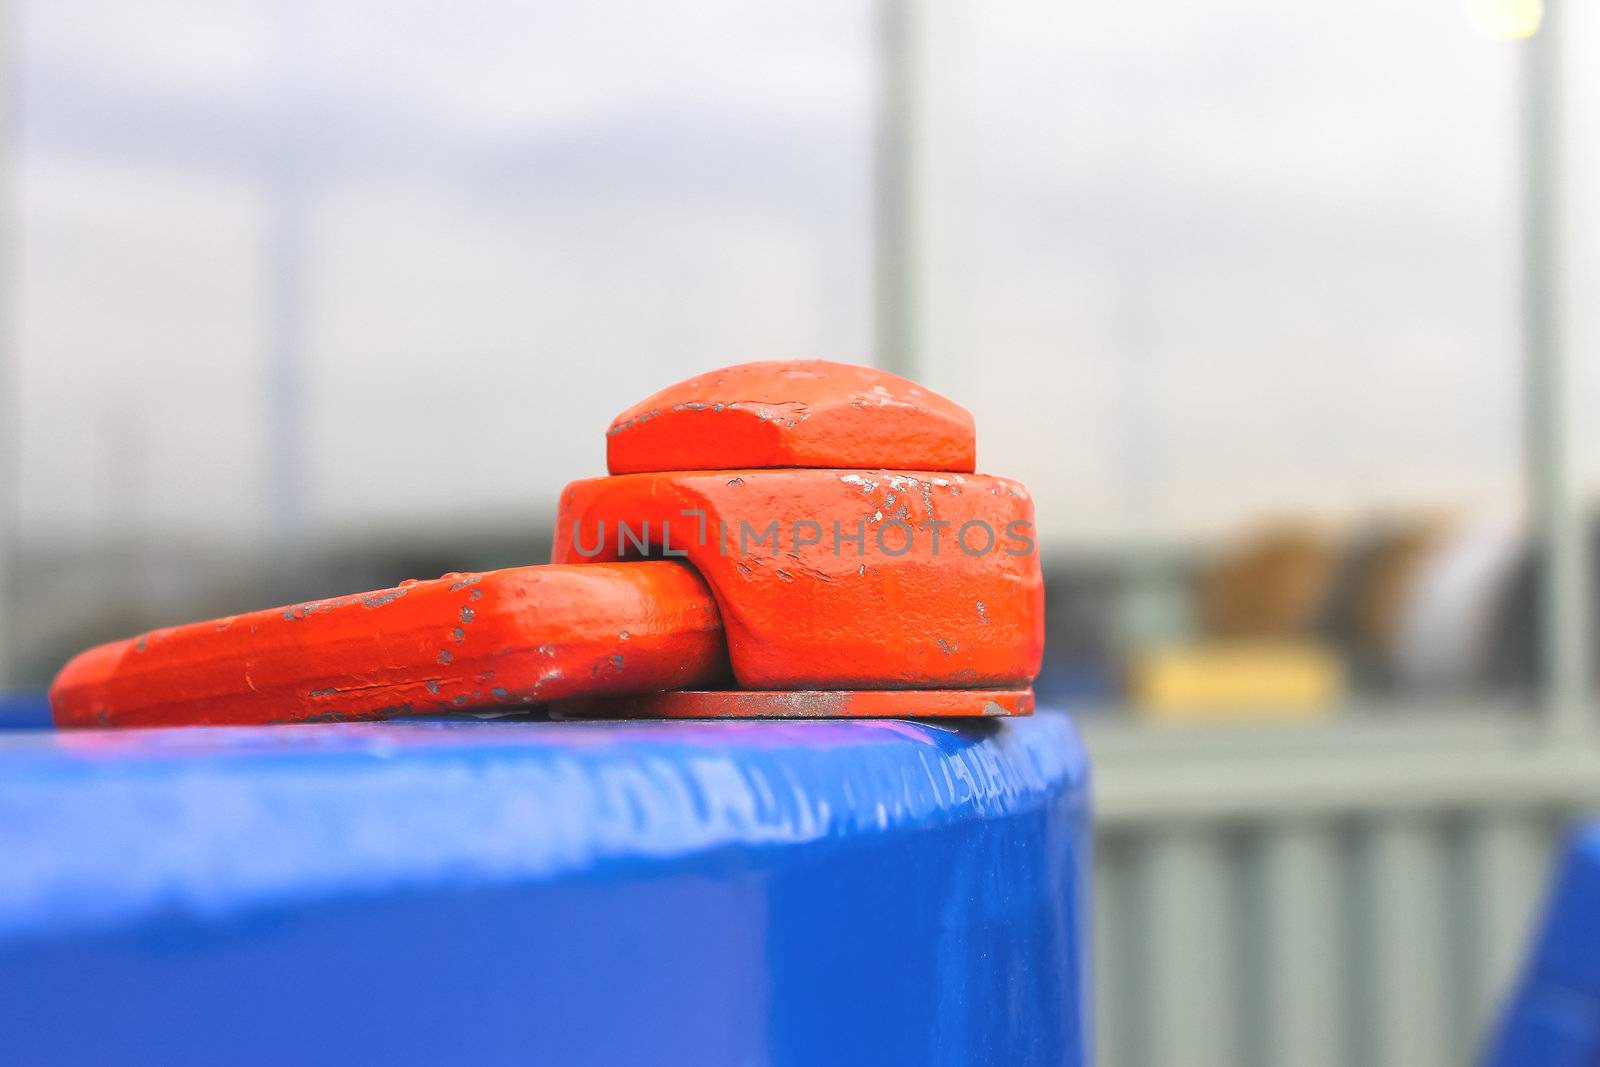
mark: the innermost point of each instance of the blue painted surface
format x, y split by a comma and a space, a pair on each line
634, 893
1553, 1016
24, 709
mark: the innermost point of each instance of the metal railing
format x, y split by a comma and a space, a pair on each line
1352, 894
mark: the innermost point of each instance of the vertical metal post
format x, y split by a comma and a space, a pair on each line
894, 292
914, 253
284, 392
285, 318
10, 406
1557, 511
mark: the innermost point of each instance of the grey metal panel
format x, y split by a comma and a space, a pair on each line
1387, 878
1116, 915
1399, 883
1295, 946
1504, 862
1188, 964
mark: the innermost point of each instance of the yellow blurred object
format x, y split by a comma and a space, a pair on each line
1214, 682
1506, 20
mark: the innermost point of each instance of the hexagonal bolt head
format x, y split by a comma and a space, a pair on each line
799, 413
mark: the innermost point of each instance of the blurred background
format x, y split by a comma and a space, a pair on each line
1282, 309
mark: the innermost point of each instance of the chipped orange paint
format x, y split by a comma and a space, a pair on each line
906, 611
881, 607
794, 413
460, 643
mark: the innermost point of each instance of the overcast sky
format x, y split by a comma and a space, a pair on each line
1218, 257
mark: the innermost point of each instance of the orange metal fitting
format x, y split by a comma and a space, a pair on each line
816, 526
831, 579
464, 642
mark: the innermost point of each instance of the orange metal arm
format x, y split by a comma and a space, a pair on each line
459, 643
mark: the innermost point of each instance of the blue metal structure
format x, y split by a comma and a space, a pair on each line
23, 709
804, 892
1553, 1016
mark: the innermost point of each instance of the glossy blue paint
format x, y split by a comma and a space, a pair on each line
1553, 1016
806, 892
24, 709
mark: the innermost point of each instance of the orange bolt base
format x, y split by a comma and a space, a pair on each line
806, 704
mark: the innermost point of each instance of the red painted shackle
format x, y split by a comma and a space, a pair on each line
776, 539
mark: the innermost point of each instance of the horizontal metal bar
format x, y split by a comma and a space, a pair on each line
1354, 767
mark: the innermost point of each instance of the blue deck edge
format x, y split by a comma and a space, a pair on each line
641, 892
